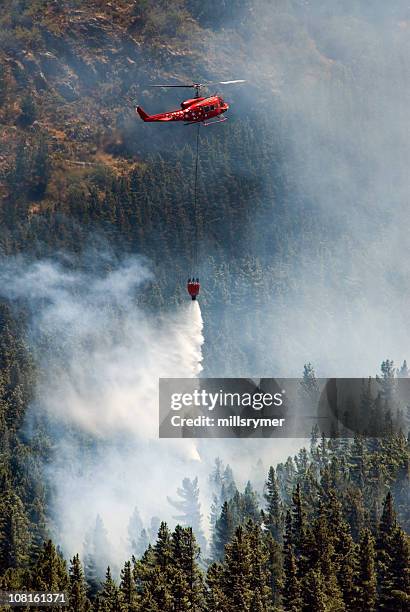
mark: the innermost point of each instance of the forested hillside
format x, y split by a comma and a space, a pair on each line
328, 533
292, 190
302, 239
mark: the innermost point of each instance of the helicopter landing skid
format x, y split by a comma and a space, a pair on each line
205, 124
217, 121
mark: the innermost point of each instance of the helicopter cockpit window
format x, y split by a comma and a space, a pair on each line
206, 108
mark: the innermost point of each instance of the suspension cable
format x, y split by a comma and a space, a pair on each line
196, 231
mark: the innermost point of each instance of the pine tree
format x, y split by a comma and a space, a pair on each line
142, 544
388, 521
109, 598
180, 601
358, 461
190, 508
250, 505
237, 572
216, 507
154, 528
314, 597
387, 380
50, 571
162, 548
404, 371
229, 483
354, 510
14, 529
320, 555
127, 588
215, 596
77, 592
223, 532
392, 554
260, 576
401, 492
38, 521
185, 554
274, 567
142, 569
155, 574
220, 494
216, 477
399, 572
96, 552
366, 583
298, 524
158, 590
309, 384
291, 592
135, 528
314, 437
323, 452
344, 558
385, 550
272, 516
302, 465
286, 480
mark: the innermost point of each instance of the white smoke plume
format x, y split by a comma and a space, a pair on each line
100, 358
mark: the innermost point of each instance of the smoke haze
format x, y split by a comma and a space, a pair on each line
334, 85
99, 358
333, 81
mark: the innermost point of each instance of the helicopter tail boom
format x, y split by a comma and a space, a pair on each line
144, 116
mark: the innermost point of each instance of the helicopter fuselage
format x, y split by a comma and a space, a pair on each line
194, 110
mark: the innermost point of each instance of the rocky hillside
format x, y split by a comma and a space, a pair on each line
71, 73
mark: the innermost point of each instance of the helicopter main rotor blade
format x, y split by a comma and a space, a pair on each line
230, 82
167, 86
199, 85
222, 82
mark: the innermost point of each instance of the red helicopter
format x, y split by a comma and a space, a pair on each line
194, 110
